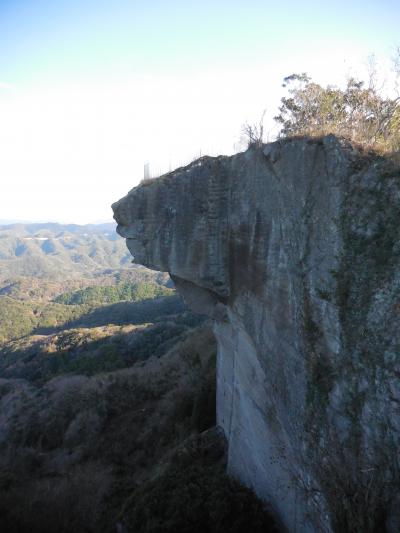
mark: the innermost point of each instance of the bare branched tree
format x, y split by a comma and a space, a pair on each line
254, 133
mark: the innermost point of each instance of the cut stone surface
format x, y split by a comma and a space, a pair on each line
293, 248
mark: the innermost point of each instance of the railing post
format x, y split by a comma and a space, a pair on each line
146, 171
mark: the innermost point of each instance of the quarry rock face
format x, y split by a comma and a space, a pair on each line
293, 248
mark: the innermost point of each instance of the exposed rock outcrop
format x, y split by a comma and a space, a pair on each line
293, 248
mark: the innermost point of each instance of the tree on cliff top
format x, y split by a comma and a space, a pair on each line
356, 112
254, 133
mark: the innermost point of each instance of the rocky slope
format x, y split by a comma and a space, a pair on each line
293, 248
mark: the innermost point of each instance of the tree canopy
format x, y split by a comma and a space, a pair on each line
357, 112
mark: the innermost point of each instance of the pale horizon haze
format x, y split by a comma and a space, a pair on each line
90, 91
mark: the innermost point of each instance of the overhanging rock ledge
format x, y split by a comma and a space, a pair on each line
293, 248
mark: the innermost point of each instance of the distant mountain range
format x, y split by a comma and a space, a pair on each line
34, 227
8, 221
53, 250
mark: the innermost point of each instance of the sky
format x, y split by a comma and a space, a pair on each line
91, 90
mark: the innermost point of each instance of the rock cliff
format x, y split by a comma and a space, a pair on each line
293, 248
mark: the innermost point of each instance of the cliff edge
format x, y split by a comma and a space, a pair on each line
293, 248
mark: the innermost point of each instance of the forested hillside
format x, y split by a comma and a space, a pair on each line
52, 275
107, 394
53, 251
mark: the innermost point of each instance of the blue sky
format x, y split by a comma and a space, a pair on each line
90, 90
60, 39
